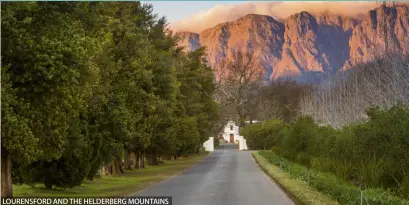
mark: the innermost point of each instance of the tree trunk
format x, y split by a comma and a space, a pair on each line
138, 160
107, 169
121, 170
150, 159
133, 160
102, 171
48, 184
6, 185
143, 159
153, 159
127, 160
116, 167
242, 117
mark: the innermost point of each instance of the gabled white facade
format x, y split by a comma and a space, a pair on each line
230, 132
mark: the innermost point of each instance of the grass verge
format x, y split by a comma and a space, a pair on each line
301, 193
326, 184
108, 186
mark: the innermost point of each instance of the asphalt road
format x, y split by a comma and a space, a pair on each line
225, 177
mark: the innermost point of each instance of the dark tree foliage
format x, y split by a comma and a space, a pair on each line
88, 84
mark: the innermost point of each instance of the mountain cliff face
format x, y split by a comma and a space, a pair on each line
190, 41
384, 30
261, 34
306, 43
302, 50
316, 43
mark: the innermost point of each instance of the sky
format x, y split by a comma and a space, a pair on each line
178, 10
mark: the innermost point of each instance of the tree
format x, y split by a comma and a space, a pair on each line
278, 99
343, 98
18, 141
164, 87
236, 81
50, 71
197, 88
124, 101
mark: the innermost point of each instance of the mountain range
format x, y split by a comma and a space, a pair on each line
306, 43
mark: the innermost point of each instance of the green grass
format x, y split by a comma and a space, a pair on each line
328, 185
298, 190
107, 186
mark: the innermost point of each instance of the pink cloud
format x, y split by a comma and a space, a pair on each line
279, 10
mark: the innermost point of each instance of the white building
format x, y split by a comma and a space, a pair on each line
230, 132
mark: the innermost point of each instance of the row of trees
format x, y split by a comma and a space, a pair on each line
343, 98
87, 84
370, 154
279, 99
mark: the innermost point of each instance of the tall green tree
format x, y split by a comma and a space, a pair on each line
50, 70
125, 97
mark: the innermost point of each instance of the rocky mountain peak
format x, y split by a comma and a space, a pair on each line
261, 34
300, 25
307, 42
257, 18
383, 30
347, 23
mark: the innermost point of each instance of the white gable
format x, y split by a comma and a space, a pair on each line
230, 132
231, 127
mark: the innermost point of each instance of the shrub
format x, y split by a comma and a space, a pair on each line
373, 153
262, 135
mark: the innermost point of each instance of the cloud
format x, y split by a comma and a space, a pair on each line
224, 13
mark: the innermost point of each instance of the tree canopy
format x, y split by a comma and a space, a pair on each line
84, 84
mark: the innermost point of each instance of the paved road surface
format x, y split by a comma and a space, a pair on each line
225, 177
